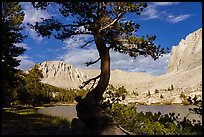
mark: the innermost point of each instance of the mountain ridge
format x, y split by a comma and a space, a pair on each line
184, 74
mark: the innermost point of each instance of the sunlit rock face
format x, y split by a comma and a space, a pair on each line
61, 74
188, 54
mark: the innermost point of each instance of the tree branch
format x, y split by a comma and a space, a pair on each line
92, 62
66, 35
93, 84
89, 11
113, 22
98, 9
87, 43
126, 131
88, 81
73, 25
76, 33
115, 41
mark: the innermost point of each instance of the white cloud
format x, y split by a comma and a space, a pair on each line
165, 3
32, 16
77, 41
153, 12
77, 57
175, 19
25, 46
140, 64
25, 64
150, 13
34, 35
148, 65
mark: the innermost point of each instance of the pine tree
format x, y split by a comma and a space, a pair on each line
102, 20
33, 85
12, 17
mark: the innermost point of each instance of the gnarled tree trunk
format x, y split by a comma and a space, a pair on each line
105, 68
93, 119
93, 97
96, 94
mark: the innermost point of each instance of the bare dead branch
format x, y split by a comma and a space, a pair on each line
88, 81
86, 43
92, 62
113, 22
93, 84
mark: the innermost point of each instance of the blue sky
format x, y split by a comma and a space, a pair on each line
169, 21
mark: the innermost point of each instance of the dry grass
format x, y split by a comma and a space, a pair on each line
25, 121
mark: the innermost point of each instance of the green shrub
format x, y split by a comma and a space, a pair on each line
198, 103
152, 124
113, 95
141, 123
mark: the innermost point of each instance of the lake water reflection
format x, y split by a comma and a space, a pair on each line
69, 112
183, 110
65, 112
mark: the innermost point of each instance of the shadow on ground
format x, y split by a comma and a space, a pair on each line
29, 124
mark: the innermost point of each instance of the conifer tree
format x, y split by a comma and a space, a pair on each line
12, 18
33, 86
102, 20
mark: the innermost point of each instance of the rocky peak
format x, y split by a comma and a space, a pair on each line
60, 74
188, 54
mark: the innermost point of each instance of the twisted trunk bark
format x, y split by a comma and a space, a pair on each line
95, 96
92, 118
105, 68
86, 105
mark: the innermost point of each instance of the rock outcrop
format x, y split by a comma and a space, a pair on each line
184, 74
188, 54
